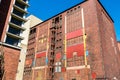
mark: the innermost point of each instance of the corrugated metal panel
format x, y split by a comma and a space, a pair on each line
74, 34
79, 49
43, 54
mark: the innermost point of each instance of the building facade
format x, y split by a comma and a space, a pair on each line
119, 45
76, 44
32, 21
12, 18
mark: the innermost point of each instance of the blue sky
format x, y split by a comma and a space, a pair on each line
45, 9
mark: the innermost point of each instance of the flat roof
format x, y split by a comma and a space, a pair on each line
60, 13
71, 8
106, 11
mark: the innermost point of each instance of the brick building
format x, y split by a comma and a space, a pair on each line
31, 21
12, 18
119, 45
76, 44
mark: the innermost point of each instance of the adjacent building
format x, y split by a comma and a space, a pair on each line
31, 21
76, 44
12, 18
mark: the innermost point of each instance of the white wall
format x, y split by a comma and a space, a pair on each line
32, 21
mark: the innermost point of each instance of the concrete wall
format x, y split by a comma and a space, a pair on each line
32, 21
22, 57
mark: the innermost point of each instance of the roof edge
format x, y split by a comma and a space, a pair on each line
106, 11
69, 9
118, 41
60, 13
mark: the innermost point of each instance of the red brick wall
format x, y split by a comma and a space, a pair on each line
93, 39
119, 54
119, 45
99, 29
40, 62
42, 35
36, 44
108, 44
11, 58
30, 55
77, 74
98, 36
28, 76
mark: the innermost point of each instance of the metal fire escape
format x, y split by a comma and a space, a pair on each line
54, 47
51, 54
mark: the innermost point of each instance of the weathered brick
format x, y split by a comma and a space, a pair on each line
11, 60
103, 57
